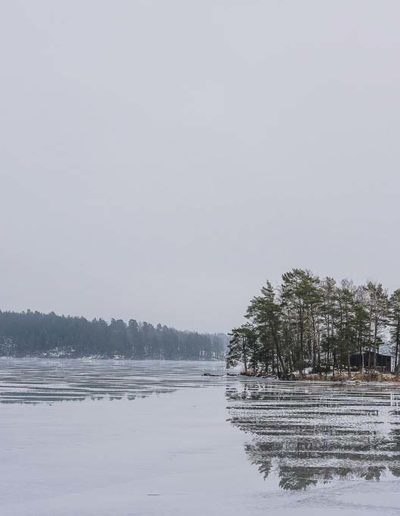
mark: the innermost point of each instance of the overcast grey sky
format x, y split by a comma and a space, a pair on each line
161, 159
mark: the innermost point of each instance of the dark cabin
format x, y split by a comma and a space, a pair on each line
383, 362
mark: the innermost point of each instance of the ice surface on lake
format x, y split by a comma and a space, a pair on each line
307, 433
49, 380
138, 438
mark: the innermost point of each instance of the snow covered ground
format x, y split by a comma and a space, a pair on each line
184, 451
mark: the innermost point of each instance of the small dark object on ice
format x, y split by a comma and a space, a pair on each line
211, 374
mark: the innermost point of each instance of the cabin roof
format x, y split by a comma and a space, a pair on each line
377, 354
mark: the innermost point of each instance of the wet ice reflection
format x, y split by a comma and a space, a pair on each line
310, 433
32, 381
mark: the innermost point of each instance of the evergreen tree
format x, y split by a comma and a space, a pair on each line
394, 318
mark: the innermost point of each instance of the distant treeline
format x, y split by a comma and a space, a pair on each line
314, 323
36, 334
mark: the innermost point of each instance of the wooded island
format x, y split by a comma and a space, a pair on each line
314, 325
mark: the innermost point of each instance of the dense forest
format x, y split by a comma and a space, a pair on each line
314, 324
36, 334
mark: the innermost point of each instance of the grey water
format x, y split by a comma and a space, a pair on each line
148, 438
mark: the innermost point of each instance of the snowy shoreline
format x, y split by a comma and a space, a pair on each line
354, 377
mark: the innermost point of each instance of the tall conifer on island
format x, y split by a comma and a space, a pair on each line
394, 318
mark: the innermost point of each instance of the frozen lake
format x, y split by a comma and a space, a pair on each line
158, 438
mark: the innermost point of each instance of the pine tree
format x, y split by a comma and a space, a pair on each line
394, 318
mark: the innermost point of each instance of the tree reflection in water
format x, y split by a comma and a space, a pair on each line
310, 433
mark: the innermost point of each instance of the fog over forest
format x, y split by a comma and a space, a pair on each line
49, 335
